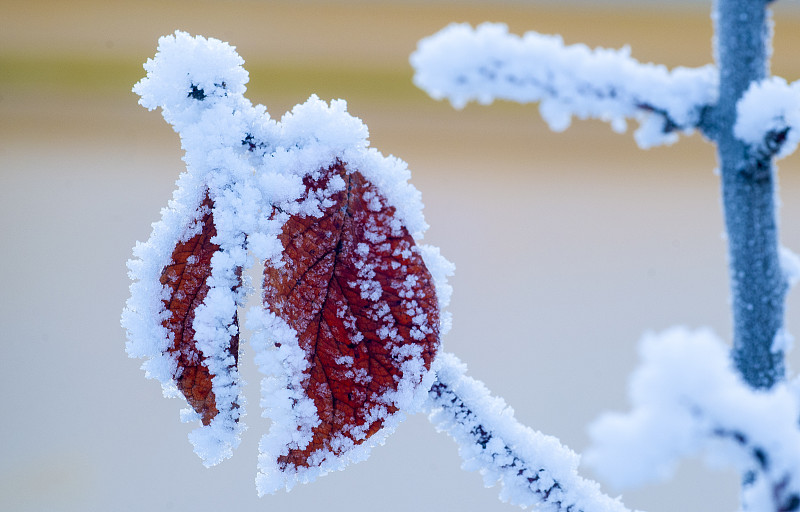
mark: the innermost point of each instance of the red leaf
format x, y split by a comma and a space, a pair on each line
187, 277
355, 289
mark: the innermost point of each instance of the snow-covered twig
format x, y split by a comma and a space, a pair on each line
686, 399
769, 118
464, 64
534, 469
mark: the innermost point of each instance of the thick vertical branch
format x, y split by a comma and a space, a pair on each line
758, 287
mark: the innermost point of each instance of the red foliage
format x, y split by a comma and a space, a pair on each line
187, 276
355, 289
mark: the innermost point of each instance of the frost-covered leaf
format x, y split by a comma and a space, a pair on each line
353, 286
181, 317
352, 321
186, 278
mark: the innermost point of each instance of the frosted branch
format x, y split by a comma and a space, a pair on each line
534, 469
688, 399
769, 117
464, 64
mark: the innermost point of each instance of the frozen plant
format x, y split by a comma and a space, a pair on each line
689, 395
348, 332
353, 306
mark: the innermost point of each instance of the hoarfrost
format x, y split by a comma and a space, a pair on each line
534, 469
782, 342
790, 264
687, 399
769, 116
486, 63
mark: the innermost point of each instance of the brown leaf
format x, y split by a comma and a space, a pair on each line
355, 289
187, 276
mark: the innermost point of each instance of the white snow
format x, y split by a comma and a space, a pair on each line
782, 342
687, 400
769, 107
535, 470
790, 264
486, 63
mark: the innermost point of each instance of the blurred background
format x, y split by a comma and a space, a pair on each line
568, 246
